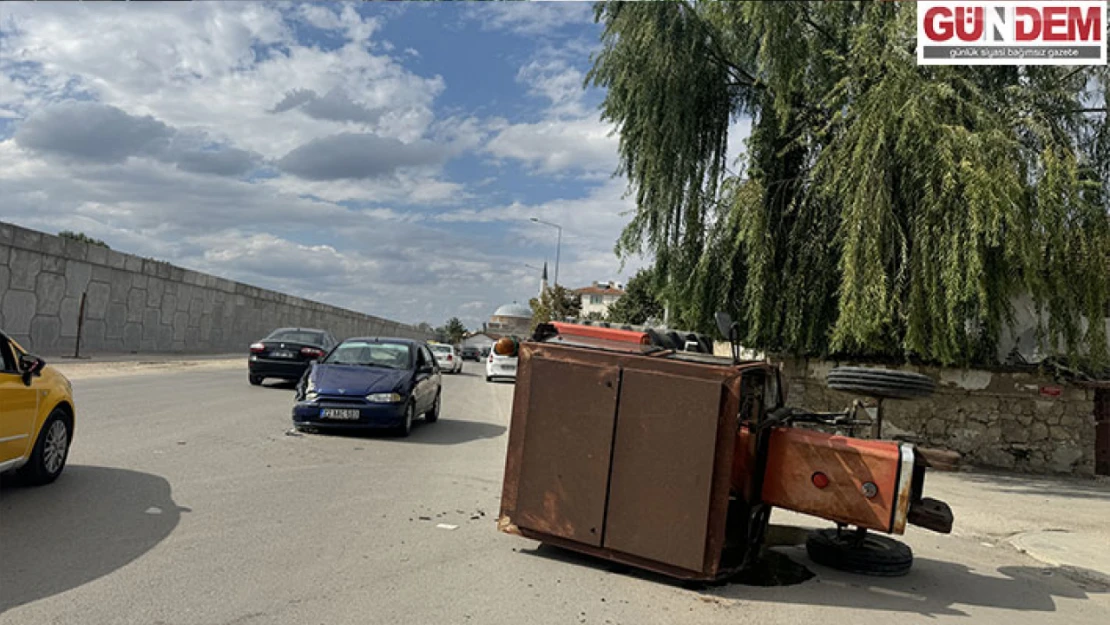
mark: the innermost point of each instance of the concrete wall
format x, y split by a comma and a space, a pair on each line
1014, 421
136, 305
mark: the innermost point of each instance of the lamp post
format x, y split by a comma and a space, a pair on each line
558, 243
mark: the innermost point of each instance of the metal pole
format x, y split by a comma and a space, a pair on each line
558, 246
80, 326
558, 243
877, 428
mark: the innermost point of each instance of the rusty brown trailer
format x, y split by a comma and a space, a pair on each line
609, 470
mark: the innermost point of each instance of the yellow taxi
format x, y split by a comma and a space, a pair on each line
36, 415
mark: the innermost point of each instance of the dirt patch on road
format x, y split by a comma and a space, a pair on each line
88, 370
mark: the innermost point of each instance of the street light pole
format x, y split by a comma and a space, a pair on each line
558, 243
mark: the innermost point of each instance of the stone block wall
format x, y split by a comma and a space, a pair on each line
1015, 421
138, 305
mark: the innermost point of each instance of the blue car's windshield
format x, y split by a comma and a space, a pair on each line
389, 355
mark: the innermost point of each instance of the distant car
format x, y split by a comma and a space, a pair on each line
286, 353
370, 383
449, 361
500, 367
36, 415
472, 353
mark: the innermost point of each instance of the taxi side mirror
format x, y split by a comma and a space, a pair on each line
30, 366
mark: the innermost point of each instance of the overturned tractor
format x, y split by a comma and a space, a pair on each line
626, 447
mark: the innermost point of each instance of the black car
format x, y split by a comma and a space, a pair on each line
370, 384
287, 352
471, 353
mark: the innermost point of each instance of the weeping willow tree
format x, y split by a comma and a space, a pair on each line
880, 208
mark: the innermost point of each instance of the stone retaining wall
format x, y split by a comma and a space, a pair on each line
1016, 421
138, 305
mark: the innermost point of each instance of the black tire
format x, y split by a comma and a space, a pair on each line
433, 415
872, 555
881, 382
660, 339
705, 343
255, 380
489, 379
44, 466
406, 426
676, 340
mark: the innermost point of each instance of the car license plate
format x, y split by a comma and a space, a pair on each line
345, 414
282, 354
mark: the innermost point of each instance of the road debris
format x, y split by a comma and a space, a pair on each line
447, 526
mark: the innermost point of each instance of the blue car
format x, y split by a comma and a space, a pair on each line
370, 384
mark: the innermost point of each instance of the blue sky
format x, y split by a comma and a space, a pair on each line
380, 156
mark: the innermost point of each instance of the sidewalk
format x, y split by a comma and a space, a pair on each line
109, 365
1060, 521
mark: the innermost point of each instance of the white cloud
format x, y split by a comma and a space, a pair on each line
582, 145
590, 225
200, 64
531, 18
570, 137
738, 133
559, 83
208, 88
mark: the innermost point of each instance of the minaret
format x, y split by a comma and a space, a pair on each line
543, 279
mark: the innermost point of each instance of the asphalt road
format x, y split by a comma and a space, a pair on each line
186, 502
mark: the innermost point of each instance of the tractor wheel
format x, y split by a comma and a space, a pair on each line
866, 554
881, 382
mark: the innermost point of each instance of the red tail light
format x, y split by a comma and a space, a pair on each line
449, 358
312, 352
258, 348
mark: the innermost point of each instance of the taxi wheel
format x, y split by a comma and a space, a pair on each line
255, 380
51, 450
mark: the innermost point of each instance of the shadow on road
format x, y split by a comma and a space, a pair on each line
91, 522
443, 432
932, 588
448, 431
280, 385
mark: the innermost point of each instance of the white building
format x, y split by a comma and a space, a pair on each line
599, 296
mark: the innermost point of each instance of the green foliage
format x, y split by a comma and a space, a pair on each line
882, 208
640, 301
454, 330
81, 236
555, 304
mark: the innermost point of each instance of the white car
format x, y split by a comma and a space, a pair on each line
498, 366
449, 360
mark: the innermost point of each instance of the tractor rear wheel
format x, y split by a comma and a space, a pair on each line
859, 552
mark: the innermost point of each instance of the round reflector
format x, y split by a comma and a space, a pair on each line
820, 480
870, 490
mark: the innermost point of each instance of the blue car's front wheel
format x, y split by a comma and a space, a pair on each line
406, 423
433, 415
